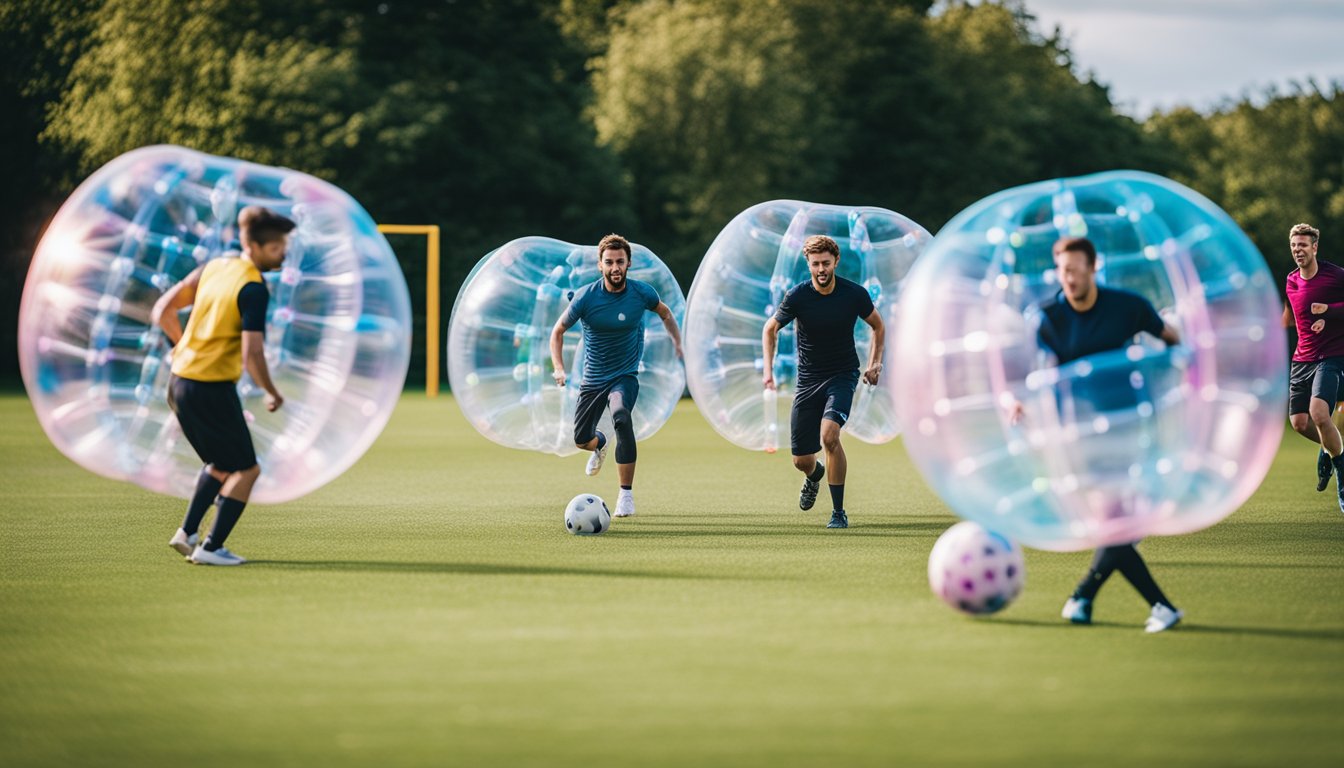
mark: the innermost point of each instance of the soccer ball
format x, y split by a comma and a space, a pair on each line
974, 570
587, 515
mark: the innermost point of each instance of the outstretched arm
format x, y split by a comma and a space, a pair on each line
874, 321
175, 299
769, 337
670, 323
558, 350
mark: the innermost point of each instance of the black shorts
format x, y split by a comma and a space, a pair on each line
211, 417
828, 399
1319, 379
593, 401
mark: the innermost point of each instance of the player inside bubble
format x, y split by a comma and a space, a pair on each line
500, 359
336, 326
751, 265
1118, 443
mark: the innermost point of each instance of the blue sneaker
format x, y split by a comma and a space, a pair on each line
1078, 610
839, 520
1324, 468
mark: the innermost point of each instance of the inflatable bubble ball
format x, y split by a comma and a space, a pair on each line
337, 335
1110, 447
749, 268
499, 359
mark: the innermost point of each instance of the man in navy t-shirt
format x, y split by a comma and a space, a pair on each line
826, 308
612, 312
1086, 319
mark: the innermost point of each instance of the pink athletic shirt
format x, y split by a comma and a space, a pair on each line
1325, 287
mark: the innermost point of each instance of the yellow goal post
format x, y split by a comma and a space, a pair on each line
431, 233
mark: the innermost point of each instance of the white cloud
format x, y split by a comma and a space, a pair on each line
1157, 54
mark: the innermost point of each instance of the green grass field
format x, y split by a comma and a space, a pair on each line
427, 608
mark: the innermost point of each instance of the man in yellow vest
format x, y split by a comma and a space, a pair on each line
224, 334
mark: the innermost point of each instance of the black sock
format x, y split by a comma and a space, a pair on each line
206, 488
601, 441
838, 496
817, 473
625, 487
227, 517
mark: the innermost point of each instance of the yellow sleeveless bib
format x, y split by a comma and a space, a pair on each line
211, 348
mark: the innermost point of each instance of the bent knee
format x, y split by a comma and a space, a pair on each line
830, 438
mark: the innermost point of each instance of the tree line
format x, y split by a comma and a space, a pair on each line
658, 119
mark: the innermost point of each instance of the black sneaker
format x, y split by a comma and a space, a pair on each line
1324, 468
808, 495
839, 520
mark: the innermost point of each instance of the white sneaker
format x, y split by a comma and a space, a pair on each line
1162, 618
183, 543
221, 556
1077, 610
595, 461
625, 504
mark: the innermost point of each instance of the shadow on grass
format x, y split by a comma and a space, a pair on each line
1241, 565
480, 569
806, 524
1333, 635
1183, 628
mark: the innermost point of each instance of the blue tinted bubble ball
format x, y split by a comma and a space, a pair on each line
1112, 447
337, 333
499, 359
749, 268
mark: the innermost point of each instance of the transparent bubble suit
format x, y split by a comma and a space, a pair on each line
499, 360
1113, 447
337, 334
752, 263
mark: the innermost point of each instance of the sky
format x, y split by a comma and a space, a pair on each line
1156, 54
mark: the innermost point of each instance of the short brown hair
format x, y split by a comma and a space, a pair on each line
1080, 244
1305, 229
614, 241
820, 244
261, 225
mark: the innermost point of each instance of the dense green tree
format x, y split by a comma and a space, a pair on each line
716, 105
1005, 107
660, 119
1270, 162
467, 115
712, 108
39, 41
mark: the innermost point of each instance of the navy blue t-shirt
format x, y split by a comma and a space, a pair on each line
613, 328
1116, 318
825, 327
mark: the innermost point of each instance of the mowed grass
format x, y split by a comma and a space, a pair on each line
427, 608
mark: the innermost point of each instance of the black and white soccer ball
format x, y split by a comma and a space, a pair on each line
587, 515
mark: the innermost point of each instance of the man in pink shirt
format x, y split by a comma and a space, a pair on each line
1316, 307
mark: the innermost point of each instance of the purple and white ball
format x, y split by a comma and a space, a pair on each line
974, 570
